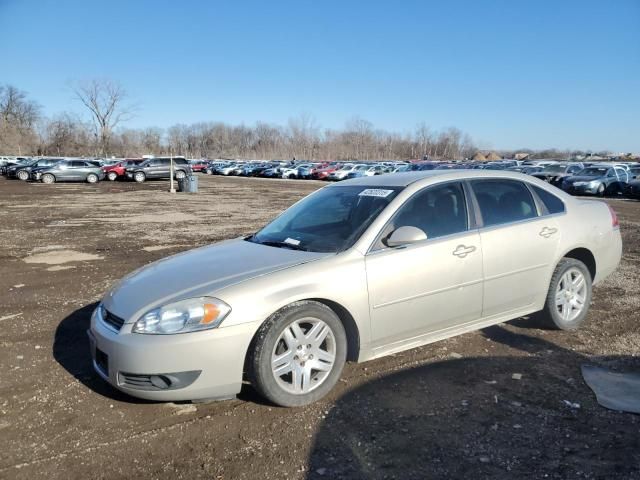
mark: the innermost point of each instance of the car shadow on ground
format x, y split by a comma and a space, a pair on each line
71, 350
512, 416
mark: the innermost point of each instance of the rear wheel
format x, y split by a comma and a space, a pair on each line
180, 174
92, 178
112, 176
139, 177
569, 296
298, 354
23, 175
48, 178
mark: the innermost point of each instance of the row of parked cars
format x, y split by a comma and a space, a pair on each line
578, 178
51, 170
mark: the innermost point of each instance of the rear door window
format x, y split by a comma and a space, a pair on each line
503, 201
551, 202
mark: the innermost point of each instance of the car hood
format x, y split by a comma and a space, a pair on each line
198, 272
582, 178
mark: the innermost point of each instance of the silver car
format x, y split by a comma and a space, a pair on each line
355, 271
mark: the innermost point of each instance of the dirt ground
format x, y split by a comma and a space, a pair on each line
448, 410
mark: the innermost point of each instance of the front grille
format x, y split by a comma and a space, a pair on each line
112, 321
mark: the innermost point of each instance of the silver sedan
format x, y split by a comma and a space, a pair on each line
355, 271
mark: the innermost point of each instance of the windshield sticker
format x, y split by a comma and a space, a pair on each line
375, 192
292, 241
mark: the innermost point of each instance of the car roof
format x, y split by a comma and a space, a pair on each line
403, 179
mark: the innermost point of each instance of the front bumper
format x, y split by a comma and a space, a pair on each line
197, 366
580, 189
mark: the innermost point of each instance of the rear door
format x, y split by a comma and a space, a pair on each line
519, 245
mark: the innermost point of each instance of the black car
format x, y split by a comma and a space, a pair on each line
632, 190
159, 167
6, 165
554, 174
597, 180
23, 170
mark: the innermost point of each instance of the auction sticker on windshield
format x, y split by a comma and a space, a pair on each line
375, 192
292, 241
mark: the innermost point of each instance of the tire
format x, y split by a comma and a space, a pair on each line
23, 175
48, 178
180, 174
139, 177
292, 324
601, 190
112, 176
559, 301
92, 178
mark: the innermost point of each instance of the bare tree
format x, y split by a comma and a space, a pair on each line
105, 101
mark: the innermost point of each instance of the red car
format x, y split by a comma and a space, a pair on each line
323, 173
199, 165
114, 171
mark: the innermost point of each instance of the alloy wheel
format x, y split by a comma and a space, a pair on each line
303, 355
571, 294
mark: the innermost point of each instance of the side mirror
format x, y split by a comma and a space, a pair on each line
405, 236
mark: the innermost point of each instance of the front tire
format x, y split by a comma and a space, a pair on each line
180, 174
298, 354
112, 176
139, 177
569, 296
23, 175
601, 190
48, 178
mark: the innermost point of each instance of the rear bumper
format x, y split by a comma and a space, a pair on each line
197, 366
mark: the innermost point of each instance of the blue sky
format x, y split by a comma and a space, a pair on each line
512, 74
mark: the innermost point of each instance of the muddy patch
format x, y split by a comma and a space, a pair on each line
58, 257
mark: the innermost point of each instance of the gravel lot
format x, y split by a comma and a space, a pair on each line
449, 410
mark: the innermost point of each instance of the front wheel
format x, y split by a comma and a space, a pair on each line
112, 176
298, 354
139, 177
601, 190
48, 178
569, 296
23, 175
92, 178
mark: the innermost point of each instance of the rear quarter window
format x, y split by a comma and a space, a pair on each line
551, 202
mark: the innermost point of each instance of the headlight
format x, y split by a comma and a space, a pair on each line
594, 183
188, 315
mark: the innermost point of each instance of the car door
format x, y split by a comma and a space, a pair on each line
519, 245
432, 285
63, 171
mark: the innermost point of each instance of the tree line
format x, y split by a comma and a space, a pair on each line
25, 131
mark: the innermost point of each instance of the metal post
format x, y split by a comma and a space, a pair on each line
171, 187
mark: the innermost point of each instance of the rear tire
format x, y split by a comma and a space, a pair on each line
48, 178
139, 177
180, 174
287, 349
569, 296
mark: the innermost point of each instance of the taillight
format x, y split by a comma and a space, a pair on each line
614, 217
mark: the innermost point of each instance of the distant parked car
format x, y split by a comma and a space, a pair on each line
526, 169
596, 180
68, 171
159, 167
554, 174
113, 172
199, 165
22, 171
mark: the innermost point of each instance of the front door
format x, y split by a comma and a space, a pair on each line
432, 285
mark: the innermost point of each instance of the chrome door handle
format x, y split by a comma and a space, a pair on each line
546, 232
462, 250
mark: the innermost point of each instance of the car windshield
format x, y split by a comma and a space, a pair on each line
593, 172
330, 220
554, 169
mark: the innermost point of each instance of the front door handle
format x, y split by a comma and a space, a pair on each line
462, 250
546, 232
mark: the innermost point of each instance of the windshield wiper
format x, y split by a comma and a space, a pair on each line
271, 243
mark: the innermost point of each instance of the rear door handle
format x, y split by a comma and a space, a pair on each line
546, 232
462, 250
